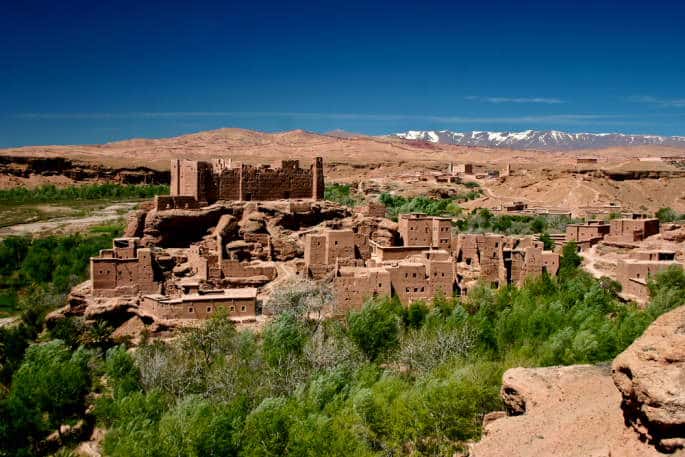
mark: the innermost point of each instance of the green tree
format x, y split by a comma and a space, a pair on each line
51, 385
285, 337
375, 329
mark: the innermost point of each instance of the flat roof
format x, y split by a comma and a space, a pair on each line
242, 293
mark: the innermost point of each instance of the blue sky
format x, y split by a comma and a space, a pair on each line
91, 72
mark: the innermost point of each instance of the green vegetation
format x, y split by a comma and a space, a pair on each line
397, 205
342, 194
50, 193
57, 262
669, 215
483, 220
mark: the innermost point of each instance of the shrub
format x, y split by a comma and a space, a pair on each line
375, 329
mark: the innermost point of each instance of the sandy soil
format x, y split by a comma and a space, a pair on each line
70, 224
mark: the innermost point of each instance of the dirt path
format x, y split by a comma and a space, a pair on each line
70, 224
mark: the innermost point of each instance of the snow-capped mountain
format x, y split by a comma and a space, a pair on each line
540, 139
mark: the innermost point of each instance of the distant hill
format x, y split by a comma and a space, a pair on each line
546, 140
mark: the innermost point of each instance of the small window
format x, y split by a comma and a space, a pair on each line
414, 275
209, 309
243, 308
232, 308
407, 290
380, 285
190, 310
421, 289
416, 289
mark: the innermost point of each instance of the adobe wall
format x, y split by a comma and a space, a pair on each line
550, 262
323, 251
634, 275
354, 286
586, 232
631, 230
199, 306
236, 269
208, 182
167, 202
422, 230
123, 270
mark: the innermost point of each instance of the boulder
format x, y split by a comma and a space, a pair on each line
677, 235
569, 411
650, 375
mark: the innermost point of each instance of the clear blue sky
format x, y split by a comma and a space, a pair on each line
97, 71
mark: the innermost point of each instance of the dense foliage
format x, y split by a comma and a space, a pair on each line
50, 193
396, 204
669, 215
483, 220
342, 194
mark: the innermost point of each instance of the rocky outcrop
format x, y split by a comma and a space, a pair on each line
560, 412
79, 171
650, 375
676, 235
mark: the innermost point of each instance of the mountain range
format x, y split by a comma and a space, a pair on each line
540, 139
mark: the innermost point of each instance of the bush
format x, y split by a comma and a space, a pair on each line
51, 193
375, 329
284, 338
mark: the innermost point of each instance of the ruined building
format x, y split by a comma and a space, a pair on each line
126, 269
208, 182
633, 273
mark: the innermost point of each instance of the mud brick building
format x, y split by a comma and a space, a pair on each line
587, 234
372, 209
124, 270
352, 286
460, 168
634, 273
632, 230
208, 182
236, 303
323, 251
421, 230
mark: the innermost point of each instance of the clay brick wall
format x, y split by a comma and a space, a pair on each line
200, 306
410, 282
315, 250
339, 244
123, 270
228, 184
352, 287
167, 202
422, 230
442, 234
586, 232
208, 182
236, 269
372, 209
550, 262
634, 274
322, 251
630, 230
415, 230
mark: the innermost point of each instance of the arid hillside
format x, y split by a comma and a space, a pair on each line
539, 177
